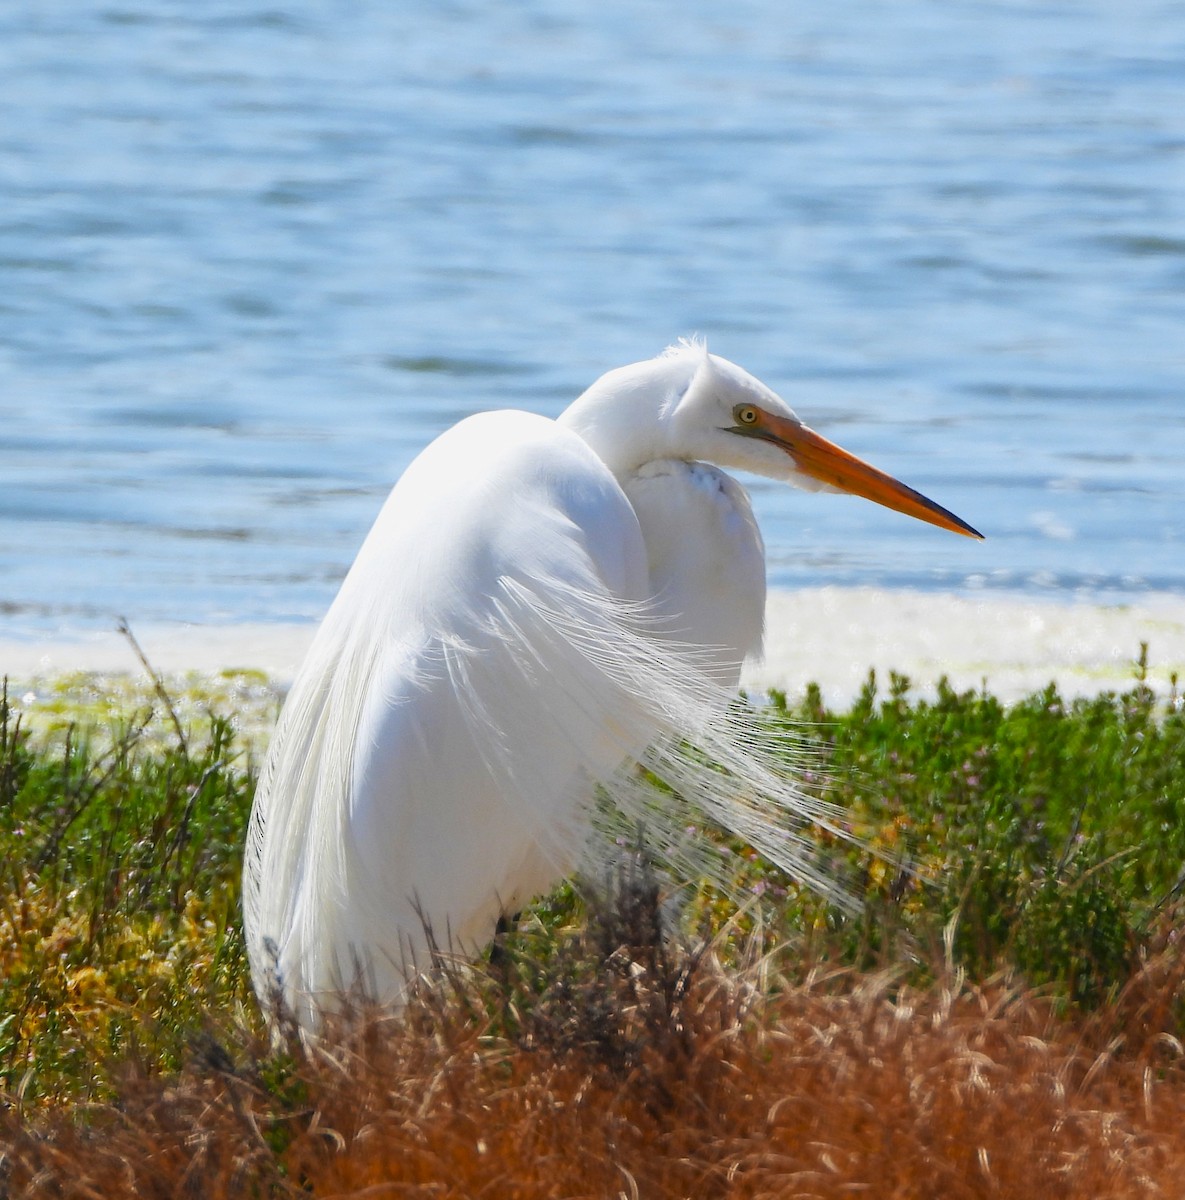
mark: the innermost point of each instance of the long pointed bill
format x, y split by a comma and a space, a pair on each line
815, 456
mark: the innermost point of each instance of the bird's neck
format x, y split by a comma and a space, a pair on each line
626, 416
619, 440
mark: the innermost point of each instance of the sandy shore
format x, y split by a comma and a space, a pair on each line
830, 635
1016, 645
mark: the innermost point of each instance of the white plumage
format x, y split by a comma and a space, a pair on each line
539, 606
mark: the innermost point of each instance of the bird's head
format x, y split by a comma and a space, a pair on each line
689, 404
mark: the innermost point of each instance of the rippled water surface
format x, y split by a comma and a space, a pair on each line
253, 257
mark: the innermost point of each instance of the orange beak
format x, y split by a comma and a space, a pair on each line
815, 456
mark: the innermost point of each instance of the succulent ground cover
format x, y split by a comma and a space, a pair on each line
1003, 1018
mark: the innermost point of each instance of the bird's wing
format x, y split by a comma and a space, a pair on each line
454, 709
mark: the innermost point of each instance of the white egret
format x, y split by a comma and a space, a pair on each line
539, 606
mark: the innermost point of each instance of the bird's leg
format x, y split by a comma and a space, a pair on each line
499, 959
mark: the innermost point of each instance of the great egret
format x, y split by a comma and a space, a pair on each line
539, 606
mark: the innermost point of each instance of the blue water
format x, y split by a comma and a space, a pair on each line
253, 256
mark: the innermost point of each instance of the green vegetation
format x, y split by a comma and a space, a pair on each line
1047, 838
119, 930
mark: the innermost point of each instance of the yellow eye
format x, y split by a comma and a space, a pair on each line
745, 414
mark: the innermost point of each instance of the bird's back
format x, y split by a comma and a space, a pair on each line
433, 757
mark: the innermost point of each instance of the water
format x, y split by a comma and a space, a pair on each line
252, 257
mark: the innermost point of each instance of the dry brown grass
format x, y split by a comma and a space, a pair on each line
624, 1067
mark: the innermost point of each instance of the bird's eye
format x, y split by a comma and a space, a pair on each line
745, 414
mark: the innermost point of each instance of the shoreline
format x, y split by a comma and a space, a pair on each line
1015, 645
830, 635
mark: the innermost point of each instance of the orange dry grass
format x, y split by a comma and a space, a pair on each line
657, 1076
